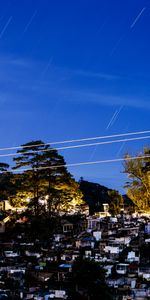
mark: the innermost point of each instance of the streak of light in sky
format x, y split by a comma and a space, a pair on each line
120, 149
30, 21
123, 36
111, 119
47, 65
5, 27
93, 153
114, 117
101, 26
116, 45
137, 17
110, 124
123, 144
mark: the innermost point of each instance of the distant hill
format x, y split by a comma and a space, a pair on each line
94, 195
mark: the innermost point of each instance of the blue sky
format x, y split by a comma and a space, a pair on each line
66, 67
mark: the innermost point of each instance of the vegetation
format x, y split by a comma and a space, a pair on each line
138, 186
41, 181
6, 183
115, 202
89, 276
44, 181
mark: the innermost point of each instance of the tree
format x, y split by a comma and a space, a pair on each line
115, 202
29, 157
68, 197
7, 188
90, 276
138, 186
4, 167
46, 177
62, 190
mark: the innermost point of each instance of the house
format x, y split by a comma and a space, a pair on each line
56, 294
85, 240
11, 254
97, 235
133, 256
122, 268
67, 226
93, 223
144, 271
141, 294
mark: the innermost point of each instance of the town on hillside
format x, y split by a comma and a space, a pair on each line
97, 248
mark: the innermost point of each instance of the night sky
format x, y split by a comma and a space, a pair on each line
72, 69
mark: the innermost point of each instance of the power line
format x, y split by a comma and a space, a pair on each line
77, 140
85, 163
78, 146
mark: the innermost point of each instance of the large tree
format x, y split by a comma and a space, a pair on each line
7, 187
29, 158
45, 176
138, 186
115, 202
